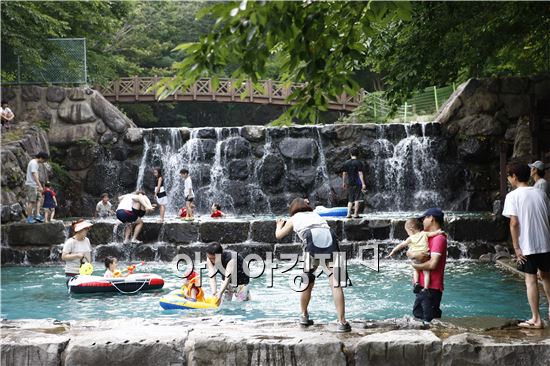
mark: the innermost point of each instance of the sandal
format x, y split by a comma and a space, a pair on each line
529, 325
305, 321
348, 217
356, 216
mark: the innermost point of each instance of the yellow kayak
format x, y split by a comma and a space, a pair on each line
176, 300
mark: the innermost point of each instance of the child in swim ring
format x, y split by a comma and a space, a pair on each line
190, 289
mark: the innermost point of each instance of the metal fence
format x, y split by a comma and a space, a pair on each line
64, 62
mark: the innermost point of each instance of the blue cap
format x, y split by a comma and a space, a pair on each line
436, 212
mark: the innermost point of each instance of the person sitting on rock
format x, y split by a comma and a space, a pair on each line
103, 209
131, 208
216, 210
6, 115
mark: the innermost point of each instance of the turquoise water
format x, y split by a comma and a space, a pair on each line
471, 289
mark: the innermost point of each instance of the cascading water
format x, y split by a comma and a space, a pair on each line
260, 173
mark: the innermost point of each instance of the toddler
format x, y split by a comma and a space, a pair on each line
190, 289
111, 265
418, 249
216, 210
50, 202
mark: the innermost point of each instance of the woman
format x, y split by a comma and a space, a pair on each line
160, 193
130, 210
77, 249
315, 233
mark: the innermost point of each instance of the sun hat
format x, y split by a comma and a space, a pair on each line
537, 164
82, 225
435, 212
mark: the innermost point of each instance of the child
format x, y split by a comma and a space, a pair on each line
418, 247
216, 210
50, 202
160, 193
103, 208
111, 265
190, 289
188, 193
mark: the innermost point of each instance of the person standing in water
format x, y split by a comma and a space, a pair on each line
354, 181
130, 210
77, 249
188, 193
160, 192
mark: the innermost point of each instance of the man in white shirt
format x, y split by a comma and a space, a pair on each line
33, 188
6, 115
537, 172
529, 211
188, 193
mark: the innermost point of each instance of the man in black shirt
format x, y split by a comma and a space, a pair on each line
353, 180
228, 264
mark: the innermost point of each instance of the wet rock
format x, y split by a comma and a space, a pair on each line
206, 133
133, 135
150, 232
399, 347
31, 93
238, 191
243, 249
5, 214
55, 94
477, 229
224, 231
158, 345
238, 170
108, 137
111, 116
264, 232
473, 349
298, 148
81, 156
360, 230
185, 232
109, 250
236, 148
145, 253
76, 113
301, 179
253, 133
488, 257
166, 252
38, 255
478, 150
101, 233
12, 256
20, 234
398, 227
270, 172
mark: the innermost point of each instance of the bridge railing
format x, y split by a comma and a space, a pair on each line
137, 88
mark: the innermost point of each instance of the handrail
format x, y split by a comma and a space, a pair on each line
135, 89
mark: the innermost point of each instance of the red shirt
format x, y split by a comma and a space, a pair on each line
437, 244
217, 213
183, 212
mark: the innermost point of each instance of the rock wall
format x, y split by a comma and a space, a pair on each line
84, 135
278, 343
483, 115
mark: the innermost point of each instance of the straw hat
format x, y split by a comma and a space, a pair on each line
82, 225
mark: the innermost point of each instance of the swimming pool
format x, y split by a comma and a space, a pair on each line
471, 289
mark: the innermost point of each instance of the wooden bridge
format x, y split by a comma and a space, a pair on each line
136, 89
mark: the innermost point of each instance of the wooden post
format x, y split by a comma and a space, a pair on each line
503, 175
136, 88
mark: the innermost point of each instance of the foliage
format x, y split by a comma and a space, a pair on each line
320, 43
44, 125
447, 42
140, 113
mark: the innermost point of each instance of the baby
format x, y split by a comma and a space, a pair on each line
418, 249
190, 289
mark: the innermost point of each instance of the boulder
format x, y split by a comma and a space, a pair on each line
514, 85
245, 249
16, 212
111, 116
523, 140
200, 149
166, 252
12, 175
76, 113
264, 232
61, 134
477, 229
515, 106
81, 156
38, 255
253, 133
301, 179
236, 148
8, 93
108, 137
23, 234
110, 250
31, 93
150, 232
239, 193
101, 233
238, 170
449, 109
77, 94
271, 170
133, 135
5, 214
474, 349
55, 94
478, 125
298, 148
100, 128
477, 150
224, 231
206, 133
11, 256
399, 347
145, 253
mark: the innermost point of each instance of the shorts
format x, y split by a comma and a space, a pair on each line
426, 305
126, 216
535, 262
354, 194
51, 209
162, 200
31, 193
241, 292
189, 198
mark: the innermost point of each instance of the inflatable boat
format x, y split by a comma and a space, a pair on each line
334, 211
130, 284
176, 300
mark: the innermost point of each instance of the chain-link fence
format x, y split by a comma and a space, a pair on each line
64, 62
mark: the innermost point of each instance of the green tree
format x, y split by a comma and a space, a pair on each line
320, 43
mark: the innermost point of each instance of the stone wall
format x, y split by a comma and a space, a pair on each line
481, 116
279, 343
39, 243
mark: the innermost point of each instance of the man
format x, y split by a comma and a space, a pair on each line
353, 180
33, 188
6, 115
537, 172
228, 264
426, 305
529, 209
188, 194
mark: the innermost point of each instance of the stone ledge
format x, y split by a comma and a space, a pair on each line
223, 341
